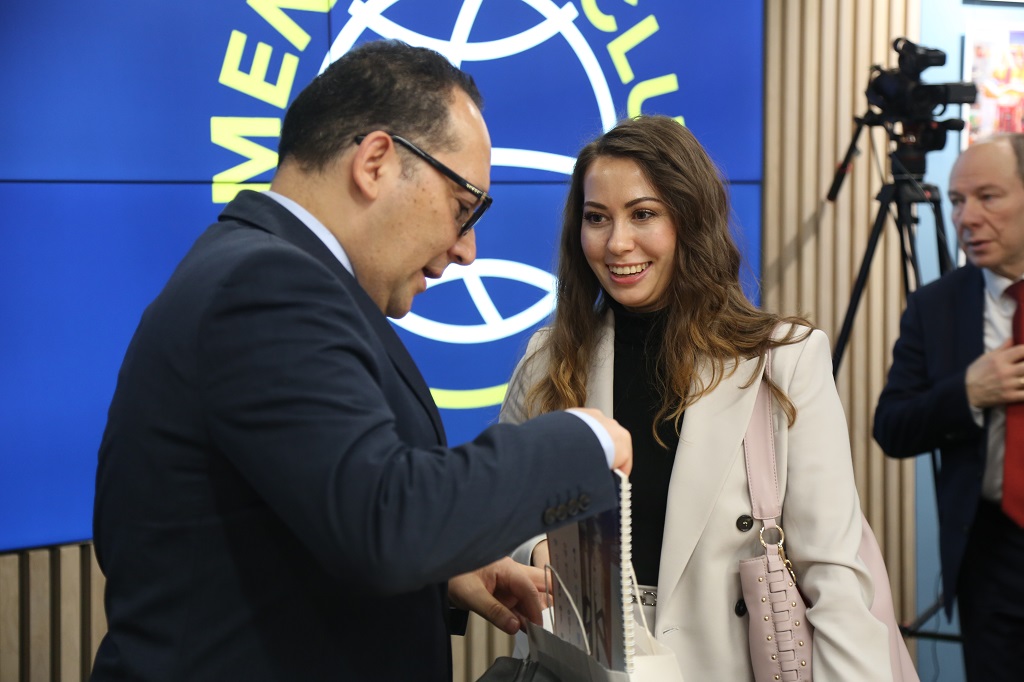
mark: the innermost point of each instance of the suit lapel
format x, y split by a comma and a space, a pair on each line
266, 214
969, 326
399, 355
709, 441
969, 303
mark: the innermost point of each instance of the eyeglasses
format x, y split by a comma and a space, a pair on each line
483, 199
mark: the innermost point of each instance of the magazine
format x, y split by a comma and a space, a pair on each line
593, 607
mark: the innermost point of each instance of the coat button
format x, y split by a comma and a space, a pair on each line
563, 512
745, 523
574, 507
584, 501
741, 608
549, 516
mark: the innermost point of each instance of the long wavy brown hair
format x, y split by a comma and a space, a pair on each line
709, 320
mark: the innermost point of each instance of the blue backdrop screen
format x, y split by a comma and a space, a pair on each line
129, 125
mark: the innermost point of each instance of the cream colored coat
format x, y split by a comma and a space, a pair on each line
698, 586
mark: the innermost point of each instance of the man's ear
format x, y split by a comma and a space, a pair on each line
373, 163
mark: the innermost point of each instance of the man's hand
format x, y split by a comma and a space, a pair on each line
621, 439
997, 377
505, 593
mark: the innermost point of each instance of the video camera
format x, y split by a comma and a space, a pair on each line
900, 97
899, 93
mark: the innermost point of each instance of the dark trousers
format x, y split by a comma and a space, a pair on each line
990, 595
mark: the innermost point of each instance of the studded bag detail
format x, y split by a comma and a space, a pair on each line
780, 638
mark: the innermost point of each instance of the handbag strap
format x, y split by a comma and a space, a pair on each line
759, 453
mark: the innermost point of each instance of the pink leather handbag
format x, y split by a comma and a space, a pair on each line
779, 635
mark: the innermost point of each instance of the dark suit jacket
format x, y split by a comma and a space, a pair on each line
924, 404
275, 499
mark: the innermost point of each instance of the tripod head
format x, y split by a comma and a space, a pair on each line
913, 141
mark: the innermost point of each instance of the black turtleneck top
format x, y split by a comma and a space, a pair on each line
636, 399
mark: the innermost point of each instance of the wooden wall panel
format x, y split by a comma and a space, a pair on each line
10, 617
36, 582
51, 614
68, 628
817, 60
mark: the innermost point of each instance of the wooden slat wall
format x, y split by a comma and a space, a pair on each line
51, 614
818, 54
51, 619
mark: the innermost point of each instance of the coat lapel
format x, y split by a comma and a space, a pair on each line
709, 441
969, 304
711, 436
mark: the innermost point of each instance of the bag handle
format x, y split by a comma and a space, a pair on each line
762, 473
549, 590
759, 453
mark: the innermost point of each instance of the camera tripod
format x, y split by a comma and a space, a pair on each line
905, 191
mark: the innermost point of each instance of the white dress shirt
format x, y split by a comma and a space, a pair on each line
998, 322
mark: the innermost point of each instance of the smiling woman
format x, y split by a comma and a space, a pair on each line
628, 235
651, 326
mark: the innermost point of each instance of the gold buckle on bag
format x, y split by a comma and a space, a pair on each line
782, 550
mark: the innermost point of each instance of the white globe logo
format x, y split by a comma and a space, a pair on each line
495, 326
555, 21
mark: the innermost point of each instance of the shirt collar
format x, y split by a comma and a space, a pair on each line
315, 226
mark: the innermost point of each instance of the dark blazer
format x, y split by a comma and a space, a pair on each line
274, 497
924, 404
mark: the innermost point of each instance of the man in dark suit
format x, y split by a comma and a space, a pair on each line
955, 368
275, 499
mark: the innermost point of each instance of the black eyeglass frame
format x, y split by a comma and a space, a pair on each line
484, 200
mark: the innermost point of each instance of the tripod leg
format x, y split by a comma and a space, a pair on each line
906, 224
945, 260
885, 197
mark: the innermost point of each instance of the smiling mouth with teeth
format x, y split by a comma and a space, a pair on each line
628, 269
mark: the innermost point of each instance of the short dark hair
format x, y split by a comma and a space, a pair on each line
381, 85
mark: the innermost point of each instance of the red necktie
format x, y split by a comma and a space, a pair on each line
1013, 457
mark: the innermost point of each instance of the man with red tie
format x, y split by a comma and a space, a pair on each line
957, 385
